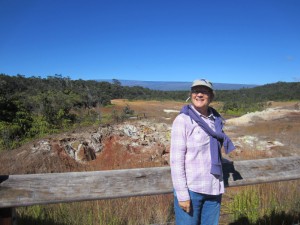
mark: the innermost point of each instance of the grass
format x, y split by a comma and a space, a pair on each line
132, 211
264, 204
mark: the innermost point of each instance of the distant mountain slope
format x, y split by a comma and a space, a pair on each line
177, 86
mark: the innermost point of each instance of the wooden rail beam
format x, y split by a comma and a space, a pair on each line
35, 189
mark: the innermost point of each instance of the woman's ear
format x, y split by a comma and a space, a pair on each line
212, 96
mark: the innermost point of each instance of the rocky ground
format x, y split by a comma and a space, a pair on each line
145, 142
273, 132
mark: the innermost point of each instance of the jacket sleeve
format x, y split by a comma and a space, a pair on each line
177, 158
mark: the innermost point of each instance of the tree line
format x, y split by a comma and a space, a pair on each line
237, 102
35, 106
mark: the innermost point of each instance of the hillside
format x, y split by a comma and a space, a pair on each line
31, 107
177, 86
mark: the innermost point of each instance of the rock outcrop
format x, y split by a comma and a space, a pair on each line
139, 137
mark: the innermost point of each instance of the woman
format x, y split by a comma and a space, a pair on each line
196, 141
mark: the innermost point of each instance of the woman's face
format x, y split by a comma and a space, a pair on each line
201, 97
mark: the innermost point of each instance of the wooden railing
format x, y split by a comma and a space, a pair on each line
34, 189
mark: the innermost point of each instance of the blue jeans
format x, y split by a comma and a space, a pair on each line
205, 210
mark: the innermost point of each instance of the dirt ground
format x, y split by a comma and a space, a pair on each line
270, 133
273, 132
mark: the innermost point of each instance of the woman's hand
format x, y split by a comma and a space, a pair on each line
185, 205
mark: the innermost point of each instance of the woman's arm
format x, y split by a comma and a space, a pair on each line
177, 158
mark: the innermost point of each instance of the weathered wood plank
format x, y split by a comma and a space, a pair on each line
21, 190
33, 189
261, 171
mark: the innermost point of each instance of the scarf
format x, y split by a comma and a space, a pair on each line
217, 138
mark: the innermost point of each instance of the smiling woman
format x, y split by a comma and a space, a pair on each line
196, 140
202, 95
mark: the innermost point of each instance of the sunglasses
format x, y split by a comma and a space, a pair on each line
202, 91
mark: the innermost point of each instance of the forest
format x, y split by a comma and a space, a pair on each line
34, 106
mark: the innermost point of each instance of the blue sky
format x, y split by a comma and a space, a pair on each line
225, 41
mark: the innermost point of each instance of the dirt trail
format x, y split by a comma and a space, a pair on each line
266, 115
